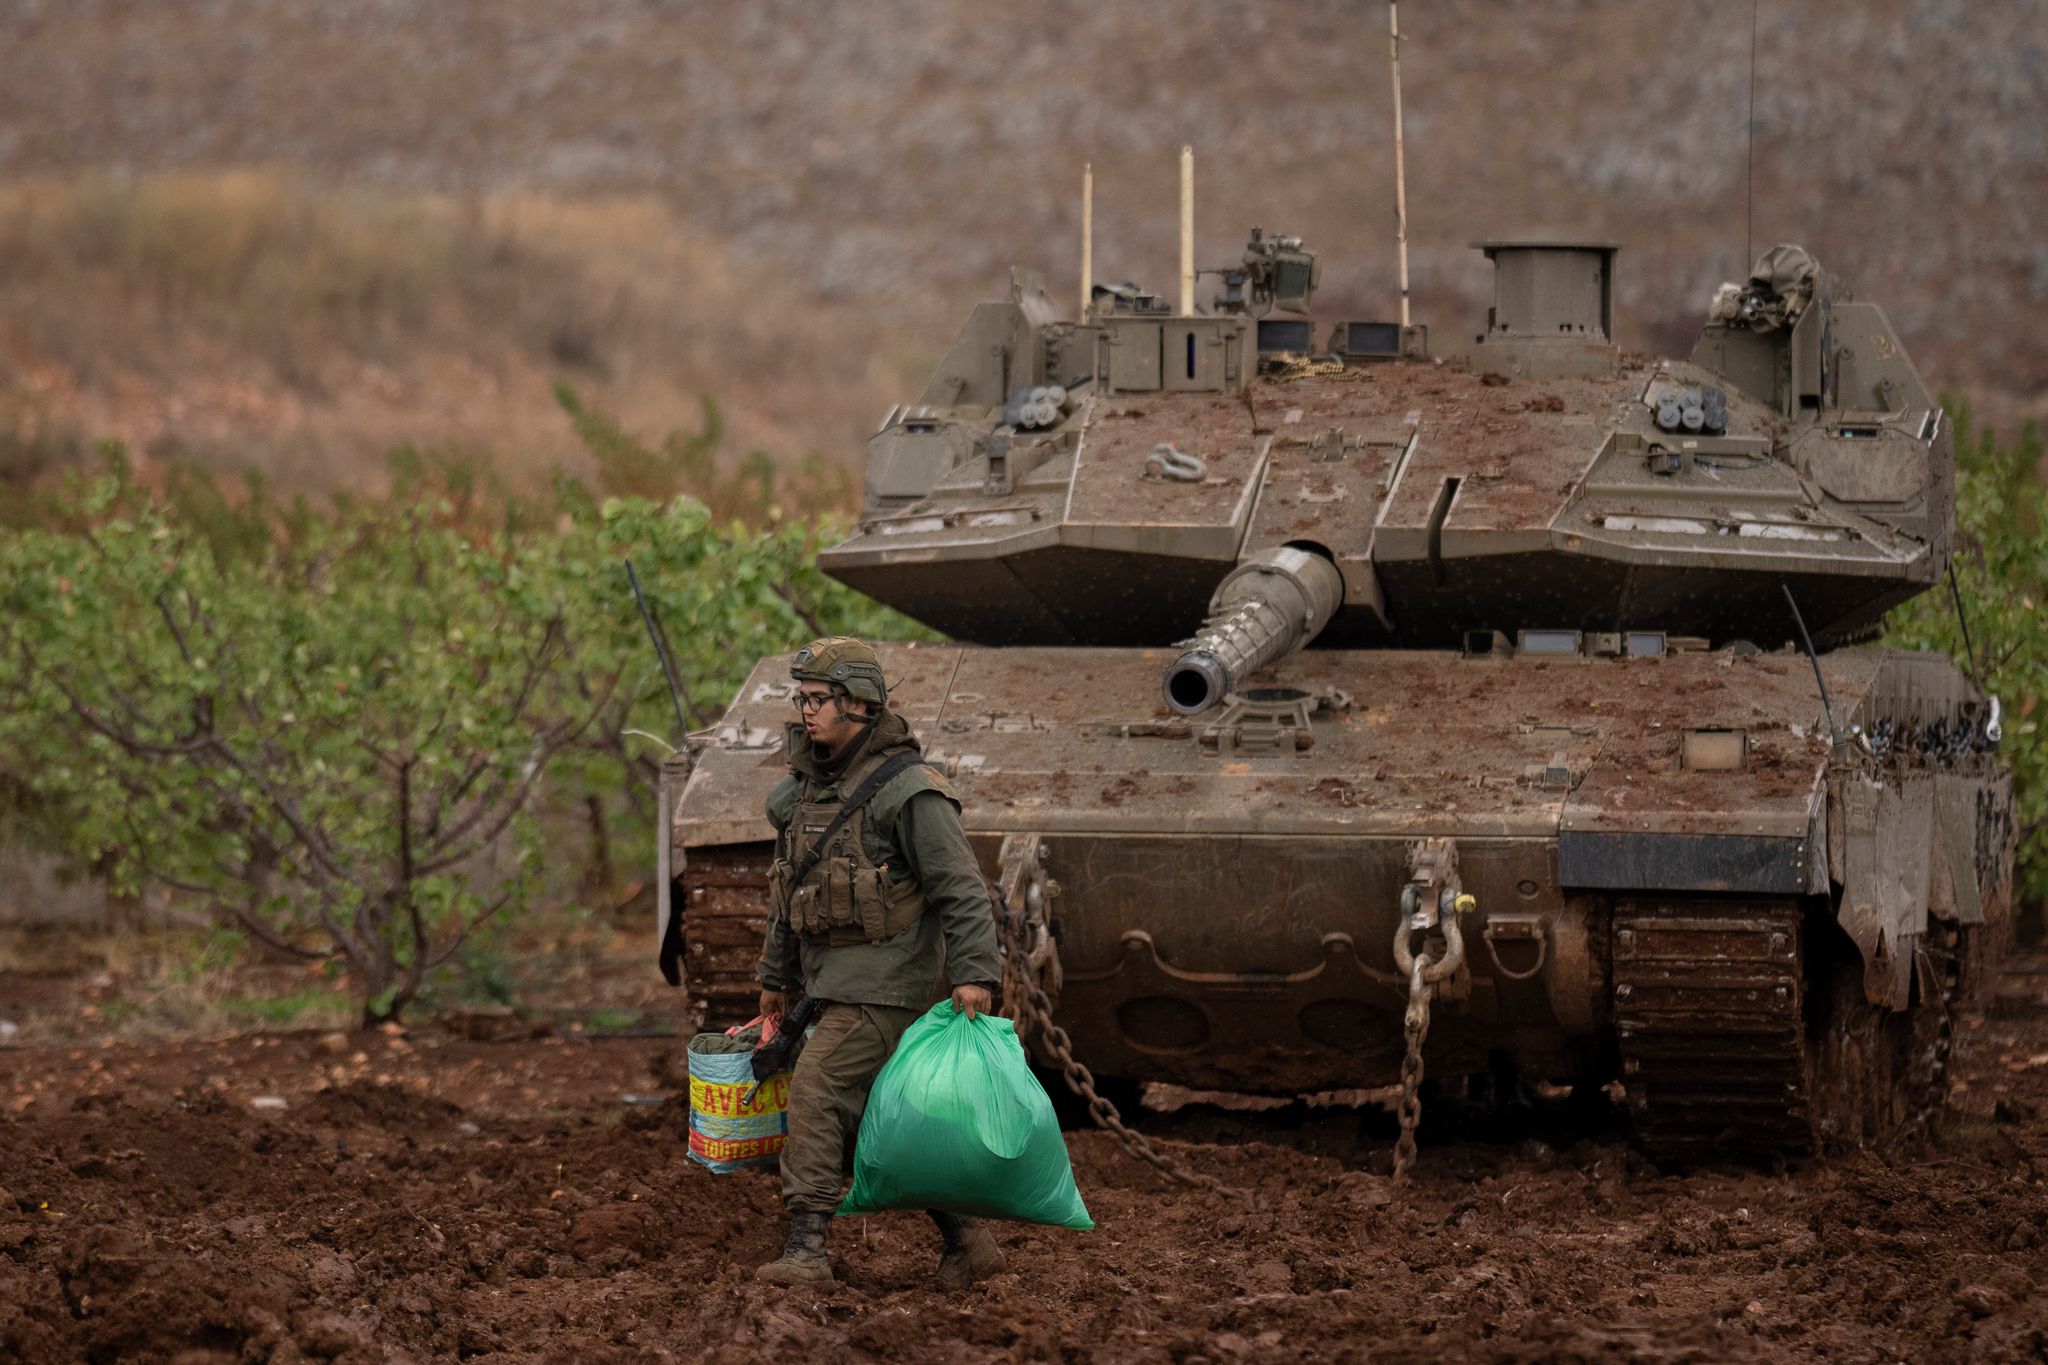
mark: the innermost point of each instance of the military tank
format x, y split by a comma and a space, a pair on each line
1303, 676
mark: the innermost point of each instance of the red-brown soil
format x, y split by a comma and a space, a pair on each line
438, 1199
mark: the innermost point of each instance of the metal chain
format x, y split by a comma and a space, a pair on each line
1294, 367
1415, 1027
1431, 901
1082, 1083
1029, 1005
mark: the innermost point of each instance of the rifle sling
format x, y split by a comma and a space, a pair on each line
861, 795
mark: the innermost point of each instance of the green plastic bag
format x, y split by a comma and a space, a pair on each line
956, 1121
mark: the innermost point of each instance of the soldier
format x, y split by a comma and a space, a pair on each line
875, 893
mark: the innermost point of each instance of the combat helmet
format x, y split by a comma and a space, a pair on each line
844, 662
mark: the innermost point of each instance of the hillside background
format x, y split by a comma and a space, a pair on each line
294, 234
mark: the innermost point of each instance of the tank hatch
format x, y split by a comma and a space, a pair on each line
1553, 310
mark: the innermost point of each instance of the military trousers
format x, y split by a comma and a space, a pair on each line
828, 1093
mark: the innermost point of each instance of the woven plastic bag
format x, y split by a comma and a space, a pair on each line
728, 1130
956, 1121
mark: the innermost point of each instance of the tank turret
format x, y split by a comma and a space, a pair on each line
1541, 481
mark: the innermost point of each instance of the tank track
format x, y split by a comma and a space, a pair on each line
1734, 1044
723, 896
1709, 1004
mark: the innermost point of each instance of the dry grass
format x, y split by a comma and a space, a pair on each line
248, 317
69, 983
78, 982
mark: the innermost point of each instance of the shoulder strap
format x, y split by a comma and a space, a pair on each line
860, 796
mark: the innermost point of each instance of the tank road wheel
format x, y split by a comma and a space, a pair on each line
1744, 1031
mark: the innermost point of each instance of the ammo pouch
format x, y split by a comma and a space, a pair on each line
824, 883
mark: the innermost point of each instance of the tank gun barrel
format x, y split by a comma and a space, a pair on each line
1268, 607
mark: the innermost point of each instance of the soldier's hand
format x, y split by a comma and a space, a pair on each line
971, 1000
773, 1004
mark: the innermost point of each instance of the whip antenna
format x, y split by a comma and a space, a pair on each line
1826, 705
1087, 239
1400, 165
658, 637
1749, 187
1187, 233
1963, 619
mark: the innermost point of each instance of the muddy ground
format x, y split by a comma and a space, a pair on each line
425, 1197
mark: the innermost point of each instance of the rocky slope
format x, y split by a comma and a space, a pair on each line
884, 161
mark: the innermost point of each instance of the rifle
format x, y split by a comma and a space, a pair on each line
772, 1059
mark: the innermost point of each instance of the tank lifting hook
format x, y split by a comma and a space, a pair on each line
1432, 903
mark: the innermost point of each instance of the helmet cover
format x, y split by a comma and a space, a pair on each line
846, 663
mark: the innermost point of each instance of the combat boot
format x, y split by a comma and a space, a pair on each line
803, 1256
971, 1253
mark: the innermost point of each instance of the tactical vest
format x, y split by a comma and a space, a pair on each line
846, 898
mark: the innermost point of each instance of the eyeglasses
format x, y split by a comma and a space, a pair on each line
806, 702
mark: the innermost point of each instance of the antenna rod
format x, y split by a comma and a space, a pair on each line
1813, 658
1749, 186
1963, 619
659, 639
1187, 231
1400, 163
1087, 238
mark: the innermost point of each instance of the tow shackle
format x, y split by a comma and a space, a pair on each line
1420, 914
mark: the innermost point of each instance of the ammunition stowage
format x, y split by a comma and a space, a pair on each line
1268, 607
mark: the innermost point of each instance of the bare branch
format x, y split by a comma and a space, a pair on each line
453, 798
163, 608
534, 663
366, 931
434, 730
2002, 660
176, 883
135, 713
406, 875
476, 921
244, 915
250, 921
134, 744
494, 822
477, 811
481, 762
552, 743
287, 809
787, 593
391, 761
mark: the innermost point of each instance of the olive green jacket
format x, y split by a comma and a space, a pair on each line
912, 825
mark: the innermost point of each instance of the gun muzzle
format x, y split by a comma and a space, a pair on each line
1268, 607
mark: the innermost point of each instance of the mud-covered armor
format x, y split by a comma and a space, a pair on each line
1281, 654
